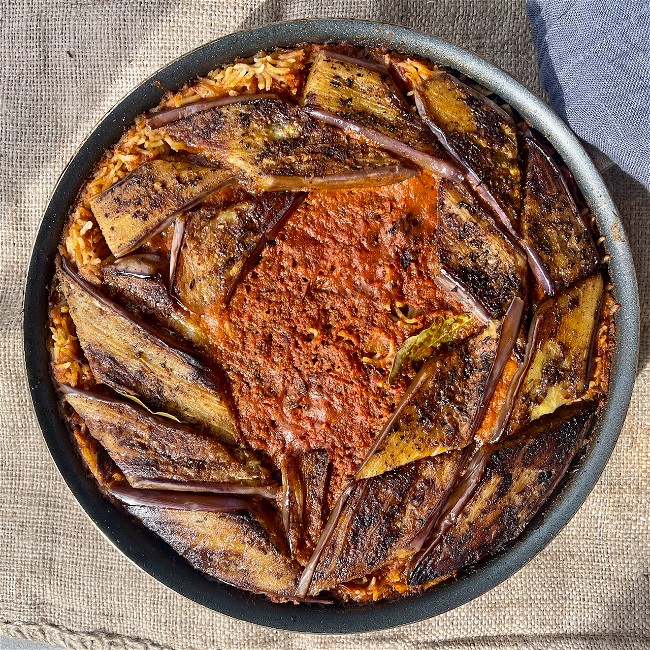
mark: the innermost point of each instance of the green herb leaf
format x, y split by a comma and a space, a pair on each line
443, 329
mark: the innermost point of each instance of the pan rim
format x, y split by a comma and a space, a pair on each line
158, 559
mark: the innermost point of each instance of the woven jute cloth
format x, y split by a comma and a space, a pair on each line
64, 63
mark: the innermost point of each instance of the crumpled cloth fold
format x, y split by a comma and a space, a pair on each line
594, 62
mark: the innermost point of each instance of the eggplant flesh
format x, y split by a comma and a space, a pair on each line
474, 253
235, 548
128, 358
560, 366
145, 446
411, 73
216, 244
278, 146
149, 299
136, 206
478, 133
306, 488
365, 96
519, 475
440, 414
551, 224
381, 517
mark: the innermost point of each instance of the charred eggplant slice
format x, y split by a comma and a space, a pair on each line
476, 255
306, 480
232, 547
218, 244
381, 517
153, 449
131, 359
558, 368
551, 224
366, 95
519, 475
139, 286
362, 98
440, 413
141, 204
277, 146
480, 135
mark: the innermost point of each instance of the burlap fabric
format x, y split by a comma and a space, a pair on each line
64, 63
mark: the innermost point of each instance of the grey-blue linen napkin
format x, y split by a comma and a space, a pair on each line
594, 61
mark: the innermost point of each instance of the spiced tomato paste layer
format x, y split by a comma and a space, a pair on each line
309, 338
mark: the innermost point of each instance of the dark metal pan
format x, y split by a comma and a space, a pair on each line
157, 558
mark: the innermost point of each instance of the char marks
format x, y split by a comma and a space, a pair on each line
126, 356
476, 254
274, 145
142, 204
518, 475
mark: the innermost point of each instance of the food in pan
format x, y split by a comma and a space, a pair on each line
331, 322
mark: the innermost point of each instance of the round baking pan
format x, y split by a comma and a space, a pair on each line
157, 558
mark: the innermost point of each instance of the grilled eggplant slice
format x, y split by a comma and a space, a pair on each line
130, 358
140, 205
277, 146
218, 244
480, 135
362, 98
367, 96
381, 517
551, 224
146, 295
440, 414
306, 481
232, 547
476, 255
519, 475
150, 448
558, 369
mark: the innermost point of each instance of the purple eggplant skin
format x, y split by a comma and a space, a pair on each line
234, 547
476, 254
127, 355
273, 145
519, 475
551, 224
135, 208
381, 517
166, 116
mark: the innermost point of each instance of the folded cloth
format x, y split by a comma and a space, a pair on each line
594, 61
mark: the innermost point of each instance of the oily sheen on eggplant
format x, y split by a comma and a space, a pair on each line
352, 331
152, 449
